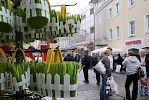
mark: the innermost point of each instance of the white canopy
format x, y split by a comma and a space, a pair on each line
101, 50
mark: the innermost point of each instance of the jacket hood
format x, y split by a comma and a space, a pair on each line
133, 59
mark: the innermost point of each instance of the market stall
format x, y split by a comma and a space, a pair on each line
27, 20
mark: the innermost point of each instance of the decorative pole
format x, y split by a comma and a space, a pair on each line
18, 40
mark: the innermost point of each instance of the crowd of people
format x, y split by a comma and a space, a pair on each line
130, 65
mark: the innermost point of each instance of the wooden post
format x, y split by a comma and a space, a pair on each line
18, 40
19, 44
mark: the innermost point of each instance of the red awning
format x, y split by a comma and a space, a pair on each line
5, 47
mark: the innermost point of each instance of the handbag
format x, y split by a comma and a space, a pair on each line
99, 67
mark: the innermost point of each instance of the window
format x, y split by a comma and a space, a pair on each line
117, 31
117, 8
91, 11
92, 29
110, 34
132, 28
131, 3
110, 13
147, 23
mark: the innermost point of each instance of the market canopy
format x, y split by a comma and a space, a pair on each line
101, 50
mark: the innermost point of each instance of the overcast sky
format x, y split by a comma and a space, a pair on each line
72, 9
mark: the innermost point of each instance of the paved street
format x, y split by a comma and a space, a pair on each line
91, 91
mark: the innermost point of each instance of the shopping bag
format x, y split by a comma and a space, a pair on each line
100, 68
143, 81
113, 85
118, 67
108, 88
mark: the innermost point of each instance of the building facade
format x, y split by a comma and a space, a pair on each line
122, 24
85, 38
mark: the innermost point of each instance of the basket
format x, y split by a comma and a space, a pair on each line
6, 20
17, 85
37, 13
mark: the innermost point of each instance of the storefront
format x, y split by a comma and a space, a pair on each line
135, 45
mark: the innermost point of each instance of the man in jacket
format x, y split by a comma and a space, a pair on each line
69, 57
132, 64
86, 64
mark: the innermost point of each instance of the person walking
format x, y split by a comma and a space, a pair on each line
132, 64
86, 64
69, 57
105, 60
143, 89
95, 61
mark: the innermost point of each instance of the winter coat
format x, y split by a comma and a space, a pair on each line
119, 60
132, 64
86, 61
106, 61
77, 58
95, 61
69, 58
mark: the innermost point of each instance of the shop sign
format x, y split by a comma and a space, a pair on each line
133, 42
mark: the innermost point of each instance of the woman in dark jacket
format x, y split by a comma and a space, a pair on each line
119, 61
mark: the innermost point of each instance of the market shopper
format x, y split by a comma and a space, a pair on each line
132, 64
69, 57
143, 89
86, 64
105, 60
119, 61
95, 61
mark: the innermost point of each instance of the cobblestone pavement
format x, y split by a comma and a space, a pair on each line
90, 91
